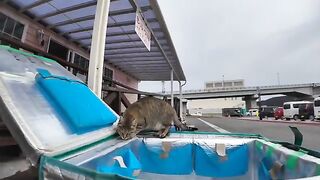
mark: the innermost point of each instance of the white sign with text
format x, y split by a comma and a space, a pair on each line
143, 31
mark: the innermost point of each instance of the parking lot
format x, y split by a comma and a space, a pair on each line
272, 129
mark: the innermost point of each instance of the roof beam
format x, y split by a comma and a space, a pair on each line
147, 70
113, 34
125, 23
138, 62
33, 5
132, 47
133, 52
67, 9
133, 68
72, 21
131, 57
136, 59
91, 17
122, 41
78, 30
145, 64
128, 11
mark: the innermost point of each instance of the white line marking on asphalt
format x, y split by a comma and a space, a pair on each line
219, 129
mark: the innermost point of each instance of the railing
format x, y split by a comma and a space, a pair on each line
250, 88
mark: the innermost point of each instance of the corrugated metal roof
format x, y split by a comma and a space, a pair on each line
74, 20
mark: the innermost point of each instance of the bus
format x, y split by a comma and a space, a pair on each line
291, 109
317, 108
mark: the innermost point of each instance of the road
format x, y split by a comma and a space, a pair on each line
271, 130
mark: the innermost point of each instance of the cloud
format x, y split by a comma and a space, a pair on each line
252, 40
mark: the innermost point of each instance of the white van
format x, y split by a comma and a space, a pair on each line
291, 109
317, 108
252, 112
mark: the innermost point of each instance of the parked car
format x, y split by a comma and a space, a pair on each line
231, 112
197, 113
306, 111
267, 111
252, 112
278, 113
291, 109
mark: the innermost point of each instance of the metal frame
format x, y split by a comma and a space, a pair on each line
134, 52
132, 58
135, 6
134, 46
67, 9
91, 17
126, 23
126, 33
33, 5
122, 41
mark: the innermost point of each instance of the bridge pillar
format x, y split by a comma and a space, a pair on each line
251, 102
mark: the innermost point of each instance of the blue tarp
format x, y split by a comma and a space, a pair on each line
78, 104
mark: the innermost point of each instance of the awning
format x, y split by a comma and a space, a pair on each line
74, 20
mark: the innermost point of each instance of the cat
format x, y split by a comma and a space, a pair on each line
149, 113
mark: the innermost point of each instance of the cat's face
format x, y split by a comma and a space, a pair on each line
127, 128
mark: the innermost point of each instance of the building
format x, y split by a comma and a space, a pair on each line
224, 84
214, 106
118, 43
63, 31
32, 33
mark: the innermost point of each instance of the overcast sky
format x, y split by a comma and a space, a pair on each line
244, 39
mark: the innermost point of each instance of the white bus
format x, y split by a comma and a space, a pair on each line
317, 108
291, 109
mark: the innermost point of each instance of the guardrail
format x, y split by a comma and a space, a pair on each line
250, 88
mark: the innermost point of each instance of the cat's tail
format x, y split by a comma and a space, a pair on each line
179, 125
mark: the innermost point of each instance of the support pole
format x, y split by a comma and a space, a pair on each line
180, 105
260, 109
98, 46
163, 88
172, 103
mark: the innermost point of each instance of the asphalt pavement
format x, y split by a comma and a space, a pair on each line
278, 131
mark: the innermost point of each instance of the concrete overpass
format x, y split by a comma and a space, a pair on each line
249, 94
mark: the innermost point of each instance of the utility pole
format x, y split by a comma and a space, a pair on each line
278, 78
223, 81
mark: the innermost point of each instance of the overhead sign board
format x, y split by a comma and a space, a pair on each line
143, 31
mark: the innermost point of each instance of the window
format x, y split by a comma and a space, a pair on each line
108, 75
295, 105
18, 30
10, 27
81, 62
58, 50
286, 106
238, 83
317, 103
3, 19
218, 84
227, 84
209, 85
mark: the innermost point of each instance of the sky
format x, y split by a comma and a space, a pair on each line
244, 39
